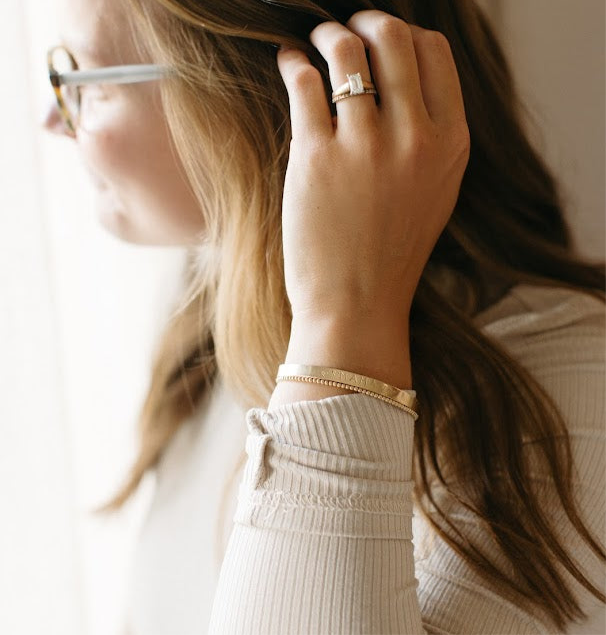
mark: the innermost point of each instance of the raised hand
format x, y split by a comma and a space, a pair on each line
366, 199
368, 193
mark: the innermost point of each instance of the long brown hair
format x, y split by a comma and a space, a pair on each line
228, 112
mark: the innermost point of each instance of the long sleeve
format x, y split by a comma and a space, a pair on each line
323, 529
322, 536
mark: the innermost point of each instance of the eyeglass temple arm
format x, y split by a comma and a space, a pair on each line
130, 74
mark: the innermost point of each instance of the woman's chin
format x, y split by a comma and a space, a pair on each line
138, 229
115, 221
118, 223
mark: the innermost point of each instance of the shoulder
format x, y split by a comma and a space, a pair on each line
548, 327
558, 335
526, 310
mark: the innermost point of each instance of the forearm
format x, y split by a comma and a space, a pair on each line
322, 535
371, 346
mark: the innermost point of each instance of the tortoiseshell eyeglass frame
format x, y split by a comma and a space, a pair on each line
124, 74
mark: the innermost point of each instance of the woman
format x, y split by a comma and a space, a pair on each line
403, 232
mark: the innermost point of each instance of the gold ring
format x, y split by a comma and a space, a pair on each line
366, 91
354, 86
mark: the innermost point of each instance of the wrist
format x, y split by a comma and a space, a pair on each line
374, 348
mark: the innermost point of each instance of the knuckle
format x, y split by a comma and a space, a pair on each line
378, 154
391, 28
347, 45
462, 139
304, 77
419, 141
436, 39
415, 149
455, 141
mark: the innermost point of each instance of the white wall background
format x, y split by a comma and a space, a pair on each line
79, 311
557, 51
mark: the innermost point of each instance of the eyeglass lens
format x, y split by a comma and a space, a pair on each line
62, 61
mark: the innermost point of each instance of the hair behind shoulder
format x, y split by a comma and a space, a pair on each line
228, 111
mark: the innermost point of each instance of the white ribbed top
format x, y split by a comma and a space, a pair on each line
322, 540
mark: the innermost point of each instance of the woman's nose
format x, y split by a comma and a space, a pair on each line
53, 122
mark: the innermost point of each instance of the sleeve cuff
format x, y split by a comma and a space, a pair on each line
336, 466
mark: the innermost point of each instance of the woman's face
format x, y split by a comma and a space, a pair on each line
142, 192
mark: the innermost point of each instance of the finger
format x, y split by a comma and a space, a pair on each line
440, 82
309, 111
393, 62
345, 54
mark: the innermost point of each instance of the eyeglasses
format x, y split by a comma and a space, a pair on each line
66, 80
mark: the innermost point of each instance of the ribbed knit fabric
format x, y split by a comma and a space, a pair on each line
322, 535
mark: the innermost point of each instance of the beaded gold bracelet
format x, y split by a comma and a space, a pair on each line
404, 399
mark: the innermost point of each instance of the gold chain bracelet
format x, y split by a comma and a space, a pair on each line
404, 399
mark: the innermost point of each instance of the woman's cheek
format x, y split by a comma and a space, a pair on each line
105, 149
104, 152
